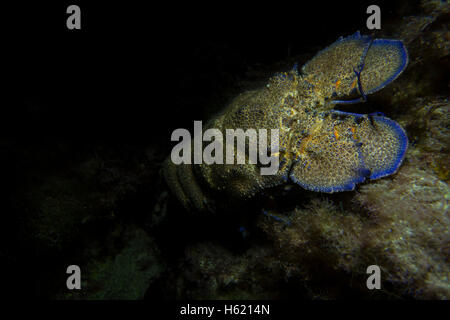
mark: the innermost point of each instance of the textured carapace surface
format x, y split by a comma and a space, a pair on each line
320, 149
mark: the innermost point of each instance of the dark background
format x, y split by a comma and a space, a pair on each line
125, 75
132, 75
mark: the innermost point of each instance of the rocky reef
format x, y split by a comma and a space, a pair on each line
97, 197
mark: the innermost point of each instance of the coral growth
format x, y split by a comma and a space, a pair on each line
214, 272
118, 272
409, 232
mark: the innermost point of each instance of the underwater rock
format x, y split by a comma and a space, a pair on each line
64, 207
410, 230
320, 248
124, 273
211, 271
59, 204
404, 232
